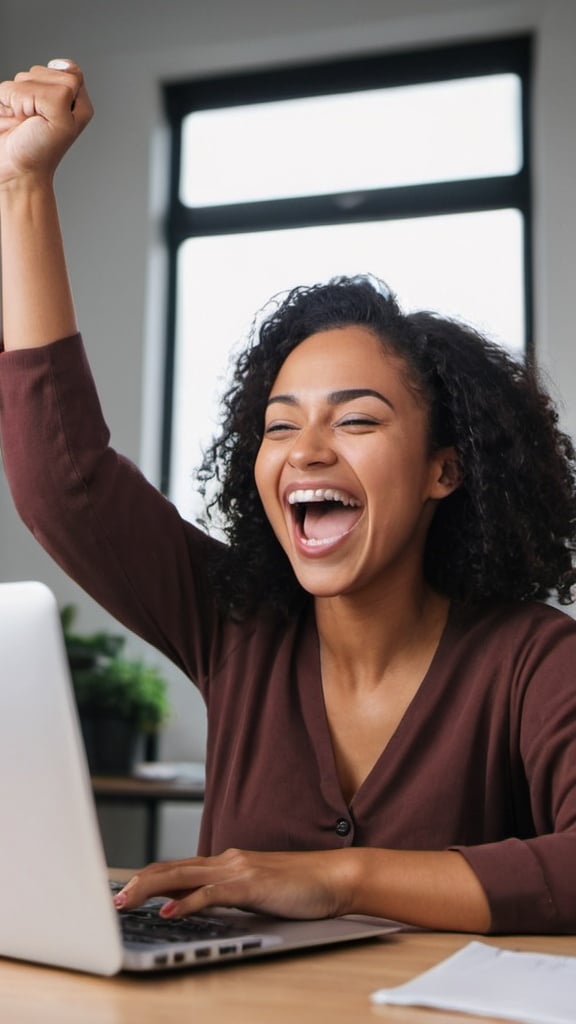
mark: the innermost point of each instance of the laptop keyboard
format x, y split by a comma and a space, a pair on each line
144, 925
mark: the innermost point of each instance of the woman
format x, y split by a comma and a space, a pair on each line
391, 714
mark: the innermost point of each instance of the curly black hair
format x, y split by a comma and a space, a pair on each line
507, 533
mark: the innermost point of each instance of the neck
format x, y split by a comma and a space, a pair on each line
365, 637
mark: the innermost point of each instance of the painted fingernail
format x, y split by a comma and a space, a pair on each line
60, 64
121, 898
169, 909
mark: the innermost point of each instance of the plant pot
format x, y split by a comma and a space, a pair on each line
112, 744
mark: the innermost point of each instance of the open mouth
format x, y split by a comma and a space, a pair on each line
323, 515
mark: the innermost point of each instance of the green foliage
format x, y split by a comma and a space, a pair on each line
107, 684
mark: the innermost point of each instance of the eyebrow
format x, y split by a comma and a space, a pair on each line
337, 397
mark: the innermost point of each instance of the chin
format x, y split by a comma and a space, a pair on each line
319, 588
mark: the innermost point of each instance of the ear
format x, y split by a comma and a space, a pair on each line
446, 473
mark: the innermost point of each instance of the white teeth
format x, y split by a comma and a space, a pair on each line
321, 494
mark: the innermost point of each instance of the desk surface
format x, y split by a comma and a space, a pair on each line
124, 787
307, 988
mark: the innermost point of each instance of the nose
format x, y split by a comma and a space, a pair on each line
312, 447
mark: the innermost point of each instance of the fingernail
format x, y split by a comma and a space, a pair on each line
121, 898
60, 64
169, 909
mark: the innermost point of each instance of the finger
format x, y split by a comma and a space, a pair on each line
231, 893
7, 116
69, 67
62, 100
54, 69
27, 97
60, 71
82, 108
165, 879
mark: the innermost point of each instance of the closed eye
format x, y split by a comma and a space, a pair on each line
358, 422
278, 428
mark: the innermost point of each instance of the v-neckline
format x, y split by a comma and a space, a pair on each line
314, 701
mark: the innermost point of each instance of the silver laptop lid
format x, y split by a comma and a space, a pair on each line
56, 904
57, 907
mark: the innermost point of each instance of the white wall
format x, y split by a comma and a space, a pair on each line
111, 197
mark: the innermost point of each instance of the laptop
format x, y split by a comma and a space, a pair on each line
57, 904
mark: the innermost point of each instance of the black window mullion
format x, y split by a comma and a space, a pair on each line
396, 68
351, 207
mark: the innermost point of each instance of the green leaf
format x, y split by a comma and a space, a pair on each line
106, 684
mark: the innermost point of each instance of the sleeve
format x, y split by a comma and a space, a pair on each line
530, 881
93, 510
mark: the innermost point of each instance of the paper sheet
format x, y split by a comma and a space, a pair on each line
535, 988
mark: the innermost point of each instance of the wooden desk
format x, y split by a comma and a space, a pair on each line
123, 789
311, 988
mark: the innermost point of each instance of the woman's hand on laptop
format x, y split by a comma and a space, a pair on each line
430, 888
294, 885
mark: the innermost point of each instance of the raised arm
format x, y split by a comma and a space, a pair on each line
90, 508
42, 112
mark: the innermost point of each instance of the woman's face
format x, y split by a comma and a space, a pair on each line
344, 470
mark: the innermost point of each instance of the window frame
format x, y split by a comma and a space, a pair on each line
386, 70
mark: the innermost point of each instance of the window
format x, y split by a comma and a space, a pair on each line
413, 167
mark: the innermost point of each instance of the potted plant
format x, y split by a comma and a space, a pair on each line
119, 700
